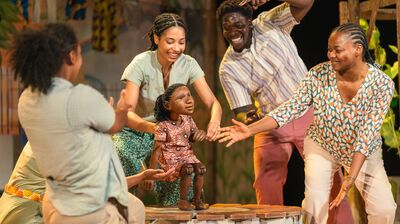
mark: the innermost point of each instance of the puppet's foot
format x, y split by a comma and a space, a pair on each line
185, 205
200, 205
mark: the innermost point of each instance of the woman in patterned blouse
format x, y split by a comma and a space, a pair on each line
350, 97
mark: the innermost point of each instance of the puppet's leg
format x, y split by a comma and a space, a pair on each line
199, 170
186, 171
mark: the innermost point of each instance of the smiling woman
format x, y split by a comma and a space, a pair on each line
147, 77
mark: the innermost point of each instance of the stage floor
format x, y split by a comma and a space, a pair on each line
227, 213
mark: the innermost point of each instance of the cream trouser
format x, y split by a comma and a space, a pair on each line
107, 215
372, 182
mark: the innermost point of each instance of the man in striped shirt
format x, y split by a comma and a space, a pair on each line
260, 70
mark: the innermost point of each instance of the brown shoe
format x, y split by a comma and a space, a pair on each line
185, 205
200, 205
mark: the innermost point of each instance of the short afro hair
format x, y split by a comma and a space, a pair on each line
233, 6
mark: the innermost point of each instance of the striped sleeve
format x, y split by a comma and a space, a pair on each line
280, 17
236, 94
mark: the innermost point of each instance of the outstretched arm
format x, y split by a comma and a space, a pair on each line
135, 121
209, 99
299, 8
148, 174
240, 131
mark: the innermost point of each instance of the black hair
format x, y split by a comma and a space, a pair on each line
160, 112
233, 6
37, 55
162, 23
357, 35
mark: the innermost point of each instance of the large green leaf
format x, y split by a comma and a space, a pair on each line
393, 48
375, 39
386, 129
393, 140
381, 59
364, 24
394, 70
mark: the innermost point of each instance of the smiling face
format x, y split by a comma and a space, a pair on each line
237, 30
342, 52
171, 44
181, 102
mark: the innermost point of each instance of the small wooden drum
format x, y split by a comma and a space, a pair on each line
228, 214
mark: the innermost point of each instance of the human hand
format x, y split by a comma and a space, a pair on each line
252, 116
254, 3
147, 185
199, 135
237, 132
157, 174
111, 101
121, 104
346, 185
212, 130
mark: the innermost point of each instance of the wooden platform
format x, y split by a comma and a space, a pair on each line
227, 213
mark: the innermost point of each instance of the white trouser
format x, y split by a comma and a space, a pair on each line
372, 182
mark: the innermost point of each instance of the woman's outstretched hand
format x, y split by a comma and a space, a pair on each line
237, 132
157, 174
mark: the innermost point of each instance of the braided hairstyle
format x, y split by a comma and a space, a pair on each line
357, 35
162, 23
229, 6
160, 112
38, 55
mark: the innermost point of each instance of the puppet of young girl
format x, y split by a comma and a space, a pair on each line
175, 132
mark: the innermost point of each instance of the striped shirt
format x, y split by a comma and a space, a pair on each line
270, 70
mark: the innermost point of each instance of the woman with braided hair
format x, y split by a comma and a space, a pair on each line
147, 77
350, 96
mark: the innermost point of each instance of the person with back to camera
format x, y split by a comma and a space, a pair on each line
260, 70
175, 131
21, 202
147, 77
68, 127
350, 97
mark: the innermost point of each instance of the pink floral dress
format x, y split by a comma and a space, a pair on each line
176, 149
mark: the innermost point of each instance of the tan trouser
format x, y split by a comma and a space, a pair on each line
107, 215
372, 182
